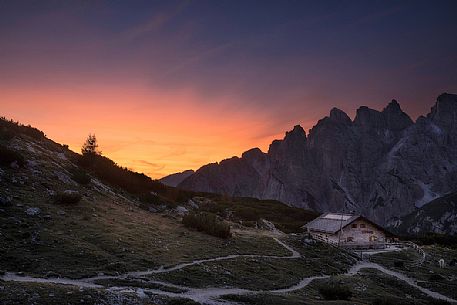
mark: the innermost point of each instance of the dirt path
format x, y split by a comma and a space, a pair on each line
211, 296
401, 277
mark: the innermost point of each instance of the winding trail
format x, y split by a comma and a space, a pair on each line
211, 296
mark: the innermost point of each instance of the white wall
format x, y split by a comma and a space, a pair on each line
359, 235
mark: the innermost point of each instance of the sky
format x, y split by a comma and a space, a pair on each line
172, 85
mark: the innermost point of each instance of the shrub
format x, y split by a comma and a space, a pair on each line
7, 156
399, 264
208, 223
335, 291
67, 197
81, 177
150, 198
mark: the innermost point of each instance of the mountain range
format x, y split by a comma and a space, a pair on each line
381, 164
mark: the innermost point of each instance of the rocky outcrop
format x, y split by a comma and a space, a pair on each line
381, 164
438, 216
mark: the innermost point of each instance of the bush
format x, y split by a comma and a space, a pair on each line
399, 264
67, 197
81, 177
335, 291
8, 156
208, 223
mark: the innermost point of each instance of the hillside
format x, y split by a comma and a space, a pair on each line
86, 231
382, 164
110, 227
438, 216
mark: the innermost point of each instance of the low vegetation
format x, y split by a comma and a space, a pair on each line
334, 290
428, 274
249, 211
434, 239
208, 223
8, 156
67, 197
9, 129
80, 176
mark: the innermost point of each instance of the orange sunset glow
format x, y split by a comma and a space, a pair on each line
157, 133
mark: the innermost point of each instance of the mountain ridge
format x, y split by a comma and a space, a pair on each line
380, 164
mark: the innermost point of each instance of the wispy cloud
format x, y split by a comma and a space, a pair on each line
155, 22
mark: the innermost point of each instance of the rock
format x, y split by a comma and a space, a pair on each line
381, 165
309, 241
33, 211
152, 209
5, 201
61, 213
14, 165
140, 293
266, 225
51, 274
181, 211
192, 204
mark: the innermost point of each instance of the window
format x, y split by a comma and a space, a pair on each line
354, 225
362, 225
367, 232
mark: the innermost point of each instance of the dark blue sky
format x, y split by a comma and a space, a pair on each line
336, 52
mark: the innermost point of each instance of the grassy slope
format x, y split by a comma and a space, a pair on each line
106, 232
433, 217
429, 275
263, 273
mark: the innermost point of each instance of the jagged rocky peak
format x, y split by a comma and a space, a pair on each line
339, 116
294, 138
392, 107
444, 112
253, 154
368, 118
391, 117
395, 118
297, 133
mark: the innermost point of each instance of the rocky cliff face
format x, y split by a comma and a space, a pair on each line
381, 164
